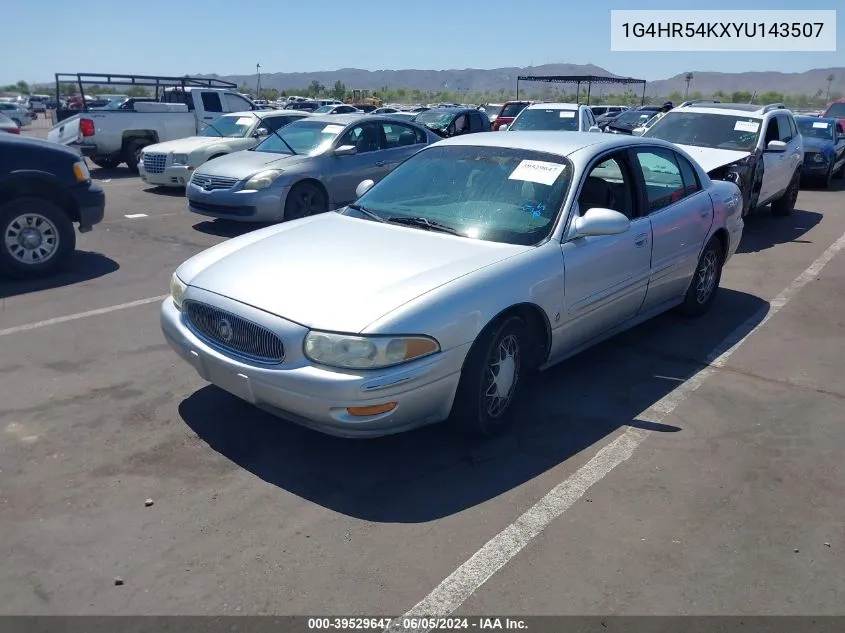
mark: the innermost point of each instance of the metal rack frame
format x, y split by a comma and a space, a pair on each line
580, 79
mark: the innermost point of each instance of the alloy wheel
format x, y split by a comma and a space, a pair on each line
31, 238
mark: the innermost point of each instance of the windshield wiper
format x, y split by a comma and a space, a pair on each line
367, 212
425, 223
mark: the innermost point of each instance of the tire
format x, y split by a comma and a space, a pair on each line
305, 199
472, 411
132, 153
705, 281
106, 163
47, 229
824, 181
840, 173
784, 205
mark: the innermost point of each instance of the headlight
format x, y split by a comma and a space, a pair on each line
262, 179
819, 158
80, 170
177, 290
180, 159
348, 351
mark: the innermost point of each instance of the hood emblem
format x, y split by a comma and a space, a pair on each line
224, 329
207, 186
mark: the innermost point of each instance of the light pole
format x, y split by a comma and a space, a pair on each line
258, 85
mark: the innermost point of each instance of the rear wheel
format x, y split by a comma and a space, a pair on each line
132, 153
37, 238
305, 199
106, 163
705, 282
491, 378
786, 203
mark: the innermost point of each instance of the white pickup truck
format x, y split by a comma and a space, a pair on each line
111, 137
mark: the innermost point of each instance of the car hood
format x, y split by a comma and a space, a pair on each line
817, 144
244, 164
186, 145
338, 273
710, 158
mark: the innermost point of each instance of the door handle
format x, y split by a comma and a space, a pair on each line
381, 163
640, 240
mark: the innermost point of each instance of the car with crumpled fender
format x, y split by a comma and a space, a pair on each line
480, 259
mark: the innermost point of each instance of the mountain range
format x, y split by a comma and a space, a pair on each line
474, 80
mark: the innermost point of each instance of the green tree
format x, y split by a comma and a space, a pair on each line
338, 90
675, 97
137, 91
829, 79
740, 96
315, 89
770, 97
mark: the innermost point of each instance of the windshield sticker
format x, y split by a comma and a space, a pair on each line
534, 208
538, 171
746, 126
567, 114
244, 120
333, 129
821, 125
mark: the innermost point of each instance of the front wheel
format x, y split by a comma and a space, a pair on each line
491, 378
305, 199
106, 163
786, 203
705, 282
132, 154
37, 238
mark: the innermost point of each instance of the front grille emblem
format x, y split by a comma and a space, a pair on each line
224, 329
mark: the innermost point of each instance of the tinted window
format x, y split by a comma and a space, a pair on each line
633, 118
663, 181
608, 186
837, 111
816, 128
546, 119
211, 102
476, 123
772, 131
366, 137
512, 109
488, 193
691, 184
398, 135
273, 123
784, 128
722, 131
792, 126
598, 110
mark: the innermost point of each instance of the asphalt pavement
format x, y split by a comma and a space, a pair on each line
685, 467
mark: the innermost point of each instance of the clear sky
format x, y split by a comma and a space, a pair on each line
168, 37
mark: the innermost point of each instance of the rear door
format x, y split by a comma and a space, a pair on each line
370, 162
401, 141
773, 163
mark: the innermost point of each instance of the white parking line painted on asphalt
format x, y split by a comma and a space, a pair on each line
132, 216
80, 315
498, 551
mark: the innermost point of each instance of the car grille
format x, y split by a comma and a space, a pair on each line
233, 334
210, 183
154, 162
810, 158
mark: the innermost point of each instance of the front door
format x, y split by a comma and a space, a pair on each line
370, 162
681, 215
606, 276
401, 141
773, 164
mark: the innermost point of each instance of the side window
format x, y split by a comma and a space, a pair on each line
663, 181
179, 96
608, 186
691, 184
476, 123
273, 123
792, 126
840, 130
398, 135
461, 124
366, 137
236, 103
785, 131
211, 102
772, 131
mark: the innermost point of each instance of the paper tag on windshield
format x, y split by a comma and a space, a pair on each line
746, 126
567, 114
821, 125
245, 120
537, 171
333, 129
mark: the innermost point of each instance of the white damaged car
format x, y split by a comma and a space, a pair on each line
759, 148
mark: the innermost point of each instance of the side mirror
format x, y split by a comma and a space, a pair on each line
594, 128
776, 146
503, 127
346, 150
262, 131
363, 187
598, 221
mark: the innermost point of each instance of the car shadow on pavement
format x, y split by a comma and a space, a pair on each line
170, 192
433, 472
762, 230
117, 173
227, 228
83, 266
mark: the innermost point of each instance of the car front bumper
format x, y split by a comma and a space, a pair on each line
318, 397
267, 205
91, 204
173, 176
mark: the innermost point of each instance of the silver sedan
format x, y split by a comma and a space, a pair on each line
477, 260
305, 168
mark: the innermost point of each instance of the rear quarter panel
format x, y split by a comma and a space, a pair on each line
727, 212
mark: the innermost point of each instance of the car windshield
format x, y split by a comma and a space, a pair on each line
699, 129
324, 109
543, 119
437, 119
836, 111
512, 109
816, 128
230, 126
305, 137
494, 194
633, 118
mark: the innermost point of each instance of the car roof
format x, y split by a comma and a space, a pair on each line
554, 105
341, 119
741, 109
560, 143
452, 109
278, 111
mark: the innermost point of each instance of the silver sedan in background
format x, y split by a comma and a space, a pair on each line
477, 260
307, 167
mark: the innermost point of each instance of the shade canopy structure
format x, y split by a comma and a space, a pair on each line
582, 79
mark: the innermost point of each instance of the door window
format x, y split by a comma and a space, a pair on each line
366, 137
691, 184
398, 135
663, 181
476, 122
211, 102
461, 124
236, 103
608, 186
273, 123
772, 132
784, 130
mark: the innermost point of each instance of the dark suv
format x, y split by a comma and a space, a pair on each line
44, 188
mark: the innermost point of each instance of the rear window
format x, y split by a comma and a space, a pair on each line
512, 109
